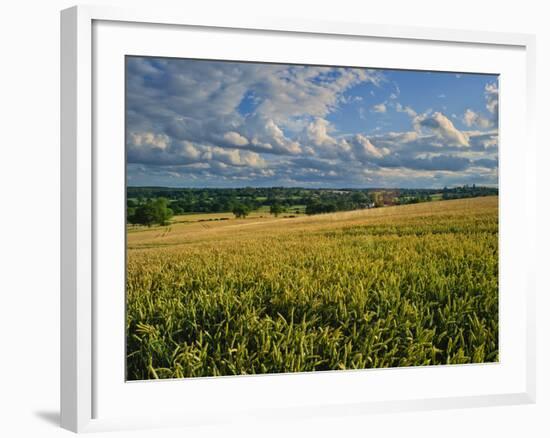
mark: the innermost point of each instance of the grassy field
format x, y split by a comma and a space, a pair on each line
395, 286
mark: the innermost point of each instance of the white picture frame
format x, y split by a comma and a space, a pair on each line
84, 176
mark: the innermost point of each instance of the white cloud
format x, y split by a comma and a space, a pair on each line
443, 128
397, 91
267, 136
234, 157
471, 118
350, 99
379, 108
491, 100
150, 139
364, 149
402, 137
277, 136
483, 140
240, 122
199, 101
317, 132
405, 109
491, 97
235, 138
314, 91
188, 150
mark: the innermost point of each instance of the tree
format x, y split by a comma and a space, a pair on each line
240, 211
313, 207
317, 207
144, 214
162, 213
130, 213
151, 212
276, 209
359, 199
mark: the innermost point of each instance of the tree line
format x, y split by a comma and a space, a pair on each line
156, 205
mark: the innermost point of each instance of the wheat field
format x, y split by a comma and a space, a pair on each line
396, 286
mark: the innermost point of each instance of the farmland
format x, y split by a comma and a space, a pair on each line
408, 285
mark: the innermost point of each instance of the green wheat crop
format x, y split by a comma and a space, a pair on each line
390, 287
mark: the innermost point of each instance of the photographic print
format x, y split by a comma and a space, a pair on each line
293, 218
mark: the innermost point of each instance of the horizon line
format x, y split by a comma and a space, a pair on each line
310, 188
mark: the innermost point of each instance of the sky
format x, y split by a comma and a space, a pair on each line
199, 123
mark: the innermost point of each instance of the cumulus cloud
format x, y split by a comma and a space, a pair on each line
199, 101
471, 118
483, 141
317, 132
150, 139
234, 157
365, 150
224, 123
400, 137
186, 153
265, 136
405, 109
443, 128
315, 91
491, 97
177, 152
317, 136
235, 138
379, 108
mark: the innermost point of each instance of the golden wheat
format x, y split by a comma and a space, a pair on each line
397, 286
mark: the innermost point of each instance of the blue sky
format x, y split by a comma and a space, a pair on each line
194, 123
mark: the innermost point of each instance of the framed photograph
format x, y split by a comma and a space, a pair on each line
290, 218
